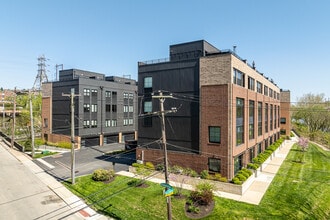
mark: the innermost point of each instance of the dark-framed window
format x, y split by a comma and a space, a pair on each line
259, 118
238, 78
147, 106
251, 85
251, 119
283, 120
214, 134
252, 153
214, 165
266, 117
239, 121
259, 87
86, 107
238, 163
148, 82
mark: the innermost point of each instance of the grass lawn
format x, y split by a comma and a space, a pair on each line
298, 191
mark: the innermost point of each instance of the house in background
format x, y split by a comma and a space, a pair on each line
228, 112
105, 108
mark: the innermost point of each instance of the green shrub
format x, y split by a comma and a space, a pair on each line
63, 144
149, 165
253, 166
223, 179
176, 169
241, 177
203, 194
193, 209
133, 182
235, 180
190, 172
101, 175
205, 174
159, 167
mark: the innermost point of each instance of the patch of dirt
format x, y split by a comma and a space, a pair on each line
142, 185
109, 181
204, 210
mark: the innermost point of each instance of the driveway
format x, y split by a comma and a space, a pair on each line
87, 160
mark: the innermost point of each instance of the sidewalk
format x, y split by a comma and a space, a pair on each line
257, 189
75, 203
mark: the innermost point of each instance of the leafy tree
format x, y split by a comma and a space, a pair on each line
312, 110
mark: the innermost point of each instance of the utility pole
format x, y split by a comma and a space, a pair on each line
161, 98
14, 122
72, 96
31, 123
3, 111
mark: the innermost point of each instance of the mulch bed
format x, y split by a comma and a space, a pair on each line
204, 210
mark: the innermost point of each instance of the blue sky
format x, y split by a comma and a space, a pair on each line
289, 40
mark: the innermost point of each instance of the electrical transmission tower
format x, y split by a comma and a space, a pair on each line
42, 75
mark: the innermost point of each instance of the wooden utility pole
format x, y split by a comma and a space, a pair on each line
161, 98
31, 124
72, 95
14, 122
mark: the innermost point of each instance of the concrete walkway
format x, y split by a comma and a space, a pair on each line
259, 186
77, 208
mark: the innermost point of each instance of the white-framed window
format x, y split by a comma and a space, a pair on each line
130, 121
86, 123
107, 123
87, 92
93, 123
125, 122
86, 107
113, 123
94, 107
125, 108
130, 108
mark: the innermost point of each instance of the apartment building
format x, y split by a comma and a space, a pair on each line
105, 108
228, 112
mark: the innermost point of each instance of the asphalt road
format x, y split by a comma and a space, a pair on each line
24, 196
87, 160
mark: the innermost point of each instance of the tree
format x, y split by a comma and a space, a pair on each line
312, 111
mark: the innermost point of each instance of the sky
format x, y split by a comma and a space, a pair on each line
289, 40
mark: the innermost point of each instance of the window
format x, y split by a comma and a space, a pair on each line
87, 92
271, 116
86, 123
114, 108
130, 95
251, 119
125, 122
113, 123
239, 121
114, 93
45, 122
283, 120
214, 134
259, 148
148, 106
259, 87
94, 92
238, 163
94, 107
251, 84
86, 107
130, 121
125, 95
265, 90
270, 92
93, 123
214, 165
266, 117
251, 153
107, 94
130, 108
107, 123
107, 108
259, 118
238, 78
125, 108
148, 82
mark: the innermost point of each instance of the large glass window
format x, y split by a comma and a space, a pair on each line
147, 106
259, 118
271, 117
86, 107
251, 153
265, 90
283, 120
238, 78
214, 134
214, 165
238, 163
87, 92
239, 121
94, 107
251, 82
251, 119
266, 117
148, 82
259, 87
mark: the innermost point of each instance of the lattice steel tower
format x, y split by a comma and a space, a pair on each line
42, 75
